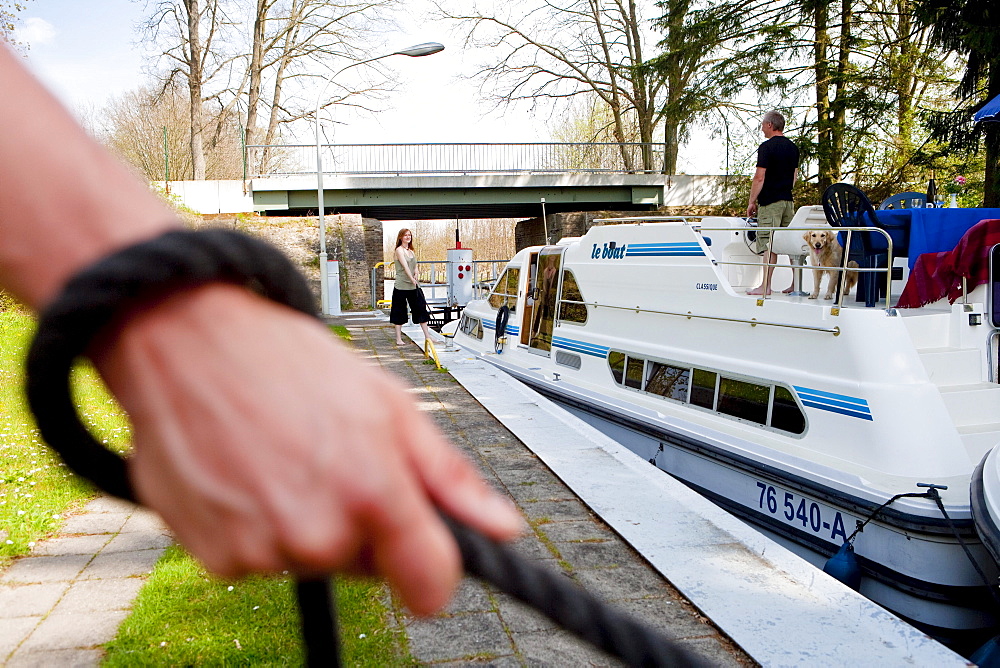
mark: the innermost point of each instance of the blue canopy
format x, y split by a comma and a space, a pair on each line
989, 112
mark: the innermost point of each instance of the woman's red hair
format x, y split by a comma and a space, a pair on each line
399, 239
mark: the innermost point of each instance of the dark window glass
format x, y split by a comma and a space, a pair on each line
703, 388
616, 361
471, 326
668, 381
505, 291
571, 312
633, 373
786, 414
744, 400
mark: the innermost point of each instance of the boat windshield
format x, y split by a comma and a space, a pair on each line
505, 290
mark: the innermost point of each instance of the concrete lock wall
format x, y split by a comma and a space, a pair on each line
356, 243
210, 197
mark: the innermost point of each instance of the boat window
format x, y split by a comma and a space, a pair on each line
571, 306
616, 361
744, 400
505, 291
703, 388
668, 381
633, 372
471, 326
786, 414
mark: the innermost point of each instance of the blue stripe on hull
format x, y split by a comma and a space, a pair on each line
835, 403
675, 249
580, 346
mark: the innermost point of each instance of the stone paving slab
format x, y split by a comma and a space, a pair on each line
484, 626
59, 604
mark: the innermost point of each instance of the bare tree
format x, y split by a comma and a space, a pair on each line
294, 44
190, 32
559, 49
149, 128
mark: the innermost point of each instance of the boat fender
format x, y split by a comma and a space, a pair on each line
987, 656
844, 566
503, 315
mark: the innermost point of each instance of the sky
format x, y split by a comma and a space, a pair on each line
88, 51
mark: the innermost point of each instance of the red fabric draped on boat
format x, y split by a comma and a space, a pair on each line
936, 275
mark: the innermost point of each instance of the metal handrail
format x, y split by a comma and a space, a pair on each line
840, 270
457, 158
753, 322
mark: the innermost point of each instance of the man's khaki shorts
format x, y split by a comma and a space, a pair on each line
775, 214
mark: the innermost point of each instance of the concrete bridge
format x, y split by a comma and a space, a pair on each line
446, 181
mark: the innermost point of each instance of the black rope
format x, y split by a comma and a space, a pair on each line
566, 603
111, 288
878, 511
500, 330
933, 494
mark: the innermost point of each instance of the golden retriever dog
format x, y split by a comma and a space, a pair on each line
826, 251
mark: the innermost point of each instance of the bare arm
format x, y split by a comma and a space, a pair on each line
755, 186
244, 438
64, 201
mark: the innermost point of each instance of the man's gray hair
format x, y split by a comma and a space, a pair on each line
776, 120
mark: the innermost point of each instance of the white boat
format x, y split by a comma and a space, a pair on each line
802, 416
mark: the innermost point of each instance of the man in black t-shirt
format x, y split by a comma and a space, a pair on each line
771, 190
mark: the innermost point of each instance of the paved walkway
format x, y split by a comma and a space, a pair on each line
486, 626
60, 604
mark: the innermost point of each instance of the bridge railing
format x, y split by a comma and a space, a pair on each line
470, 158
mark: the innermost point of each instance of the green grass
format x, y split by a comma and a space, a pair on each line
341, 331
36, 489
184, 616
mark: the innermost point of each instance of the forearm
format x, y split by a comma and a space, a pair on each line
64, 200
755, 187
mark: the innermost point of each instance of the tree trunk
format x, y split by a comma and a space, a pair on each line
839, 103
195, 74
823, 113
256, 67
903, 81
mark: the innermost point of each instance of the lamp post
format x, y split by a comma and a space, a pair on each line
416, 51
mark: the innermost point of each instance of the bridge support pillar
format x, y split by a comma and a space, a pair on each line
356, 243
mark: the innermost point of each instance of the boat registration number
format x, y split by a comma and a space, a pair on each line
799, 511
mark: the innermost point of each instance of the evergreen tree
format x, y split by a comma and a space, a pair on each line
972, 28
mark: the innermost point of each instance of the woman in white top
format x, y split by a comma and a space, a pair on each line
406, 289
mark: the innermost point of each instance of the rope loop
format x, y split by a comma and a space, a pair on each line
111, 288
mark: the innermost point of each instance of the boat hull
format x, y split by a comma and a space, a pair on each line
939, 590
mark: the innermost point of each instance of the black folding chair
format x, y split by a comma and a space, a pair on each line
846, 206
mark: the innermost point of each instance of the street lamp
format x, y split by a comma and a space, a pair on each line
415, 51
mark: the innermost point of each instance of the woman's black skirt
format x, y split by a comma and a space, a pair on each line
418, 306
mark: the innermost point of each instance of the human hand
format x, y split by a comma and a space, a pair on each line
268, 446
751, 209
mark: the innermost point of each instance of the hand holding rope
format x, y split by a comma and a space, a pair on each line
180, 260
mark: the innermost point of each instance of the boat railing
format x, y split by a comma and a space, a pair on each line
755, 322
690, 315
991, 346
695, 223
433, 276
841, 270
